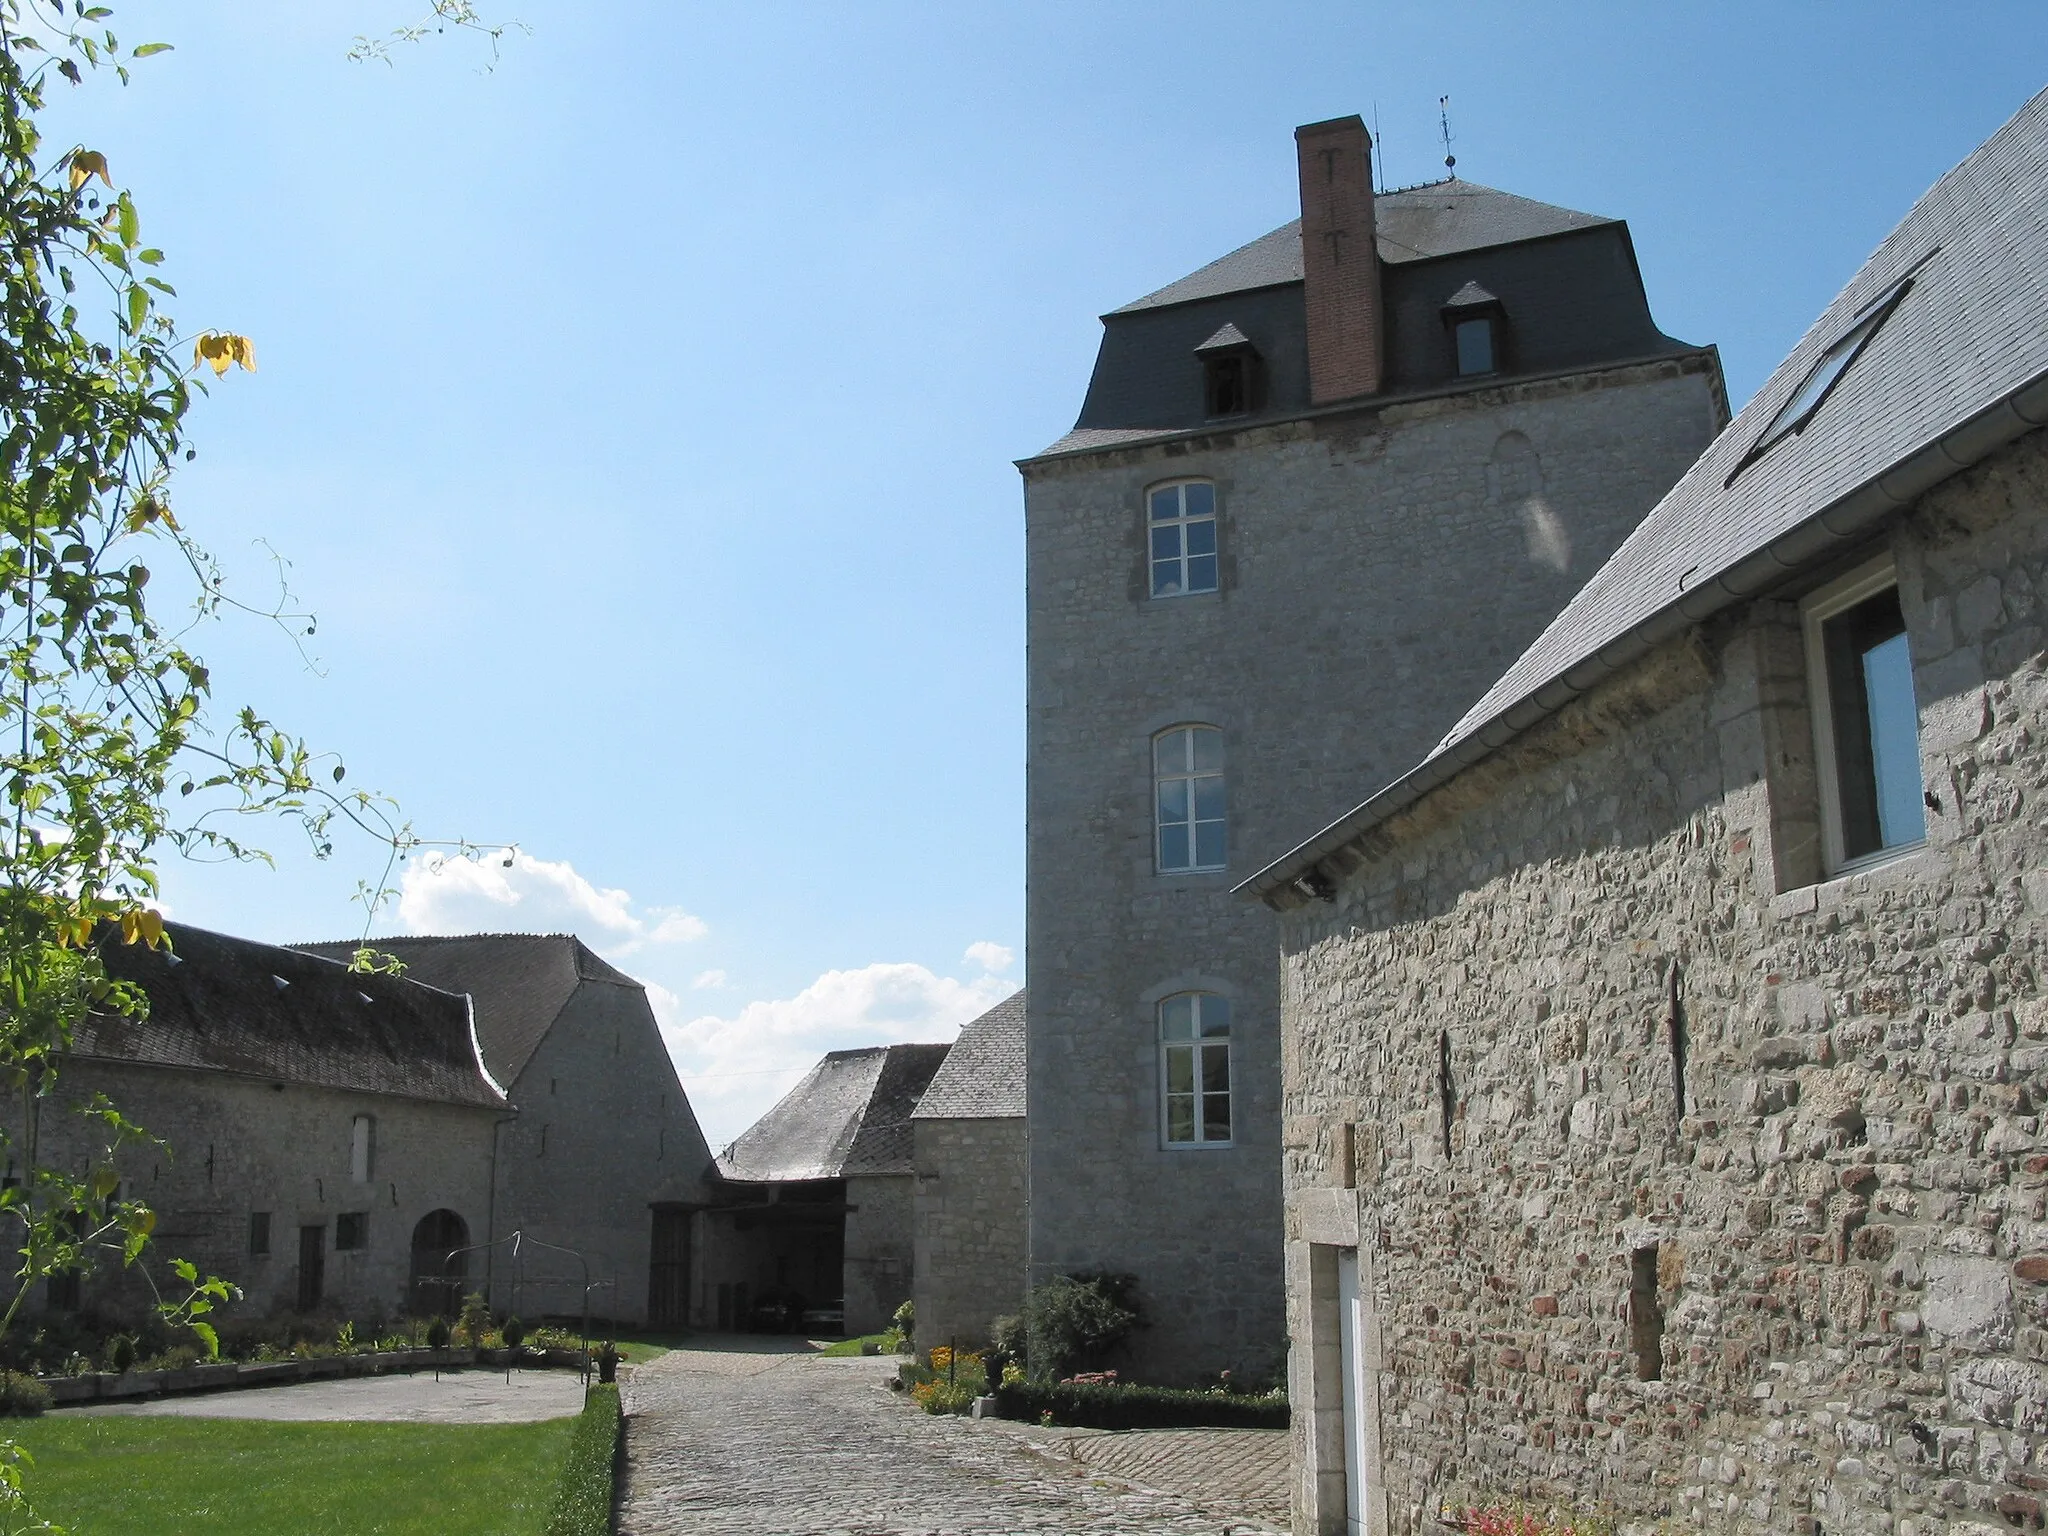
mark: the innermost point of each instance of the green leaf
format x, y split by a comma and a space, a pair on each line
209, 1338
138, 307
148, 48
131, 225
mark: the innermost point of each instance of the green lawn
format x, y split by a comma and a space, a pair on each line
852, 1346
639, 1348
117, 1476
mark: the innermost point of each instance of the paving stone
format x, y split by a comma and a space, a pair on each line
753, 1439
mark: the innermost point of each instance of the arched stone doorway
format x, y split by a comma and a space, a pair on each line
436, 1289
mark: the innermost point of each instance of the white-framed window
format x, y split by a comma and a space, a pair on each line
362, 1147
1194, 1069
1187, 799
1181, 535
1866, 719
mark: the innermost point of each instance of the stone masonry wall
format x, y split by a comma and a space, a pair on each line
603, 1130
880, 1251
1379, 569
971, 1214
1580, 1005
234, 1146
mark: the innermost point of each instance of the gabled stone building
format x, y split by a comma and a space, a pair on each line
604, 1155
327, 1135
815, 1203
1666, 1054
972, 1159
1320, 493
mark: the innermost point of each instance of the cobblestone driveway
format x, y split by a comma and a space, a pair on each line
742, 1440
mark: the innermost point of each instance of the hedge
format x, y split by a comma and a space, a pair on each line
1107, 1407
583, 1505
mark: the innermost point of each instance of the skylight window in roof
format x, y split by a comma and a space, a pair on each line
1825, 374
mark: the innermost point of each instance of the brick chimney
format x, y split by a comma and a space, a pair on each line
1340, 261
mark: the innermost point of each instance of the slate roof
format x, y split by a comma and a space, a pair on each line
1960, 368
224, 1004
983, 1076
848, 1119
520, 981
1440, 218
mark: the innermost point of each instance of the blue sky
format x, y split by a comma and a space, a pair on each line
638, 417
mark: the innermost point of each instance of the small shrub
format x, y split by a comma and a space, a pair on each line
905, 1320
583, 1504
871, 1346
1075, 1321
475, 1320
938, 1396
22, 1396
513, 1333
437, 1333
121, 1354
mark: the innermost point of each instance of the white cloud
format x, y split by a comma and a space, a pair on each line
990, 956
523, 894
736, 1067
709, 981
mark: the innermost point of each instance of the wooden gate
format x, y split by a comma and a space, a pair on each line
668, 1271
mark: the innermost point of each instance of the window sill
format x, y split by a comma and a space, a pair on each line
1175, 597
1198, 1146
1911, 861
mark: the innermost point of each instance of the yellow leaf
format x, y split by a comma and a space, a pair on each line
130, 925
221, 349
151, 923
86, 164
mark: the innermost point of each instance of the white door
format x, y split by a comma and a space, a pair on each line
1351, 1343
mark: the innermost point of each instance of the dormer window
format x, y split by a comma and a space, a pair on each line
1230, 374
1477, 326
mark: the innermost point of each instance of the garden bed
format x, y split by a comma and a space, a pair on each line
111, 1386
1099, 1406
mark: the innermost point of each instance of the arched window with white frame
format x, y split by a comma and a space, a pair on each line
1181, 519
1194, 1069
1188, 799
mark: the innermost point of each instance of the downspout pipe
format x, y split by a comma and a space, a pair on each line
1846, 522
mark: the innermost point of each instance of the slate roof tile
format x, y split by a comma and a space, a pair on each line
850, 1117
225, 1004
983, 1075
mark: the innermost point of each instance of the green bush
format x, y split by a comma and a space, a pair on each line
1074, 1322
121, 1354
1116, 1407
437, 1333
475, 1320
22, 1396
583, 1506
513, 1333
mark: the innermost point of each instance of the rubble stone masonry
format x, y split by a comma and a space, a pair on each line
1618, 1087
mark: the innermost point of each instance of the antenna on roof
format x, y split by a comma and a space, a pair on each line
1379, 154
1443, 124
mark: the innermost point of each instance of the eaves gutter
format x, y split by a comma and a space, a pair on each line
1845, 522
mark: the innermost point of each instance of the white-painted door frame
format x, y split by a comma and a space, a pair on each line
1351, 1343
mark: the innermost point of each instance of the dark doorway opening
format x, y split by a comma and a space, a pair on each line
436, 1278
312, 1266
668, 1271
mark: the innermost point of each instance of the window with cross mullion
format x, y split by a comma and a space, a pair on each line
1183, 538
1187, 776
1194, 1047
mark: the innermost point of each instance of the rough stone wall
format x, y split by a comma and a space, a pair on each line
234, 1146
971, 1213
880, 1259
603, 1131
1380, 569
1819, 1102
